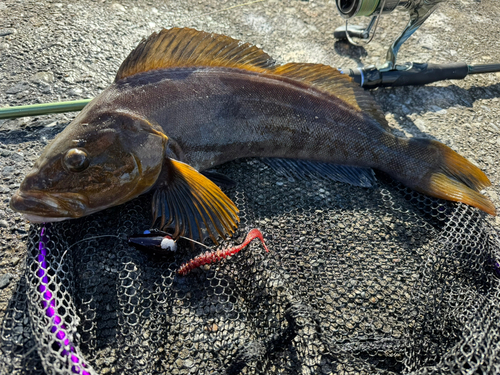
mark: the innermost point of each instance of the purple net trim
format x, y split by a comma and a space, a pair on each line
48, 304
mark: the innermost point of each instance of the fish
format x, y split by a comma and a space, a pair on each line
185, 101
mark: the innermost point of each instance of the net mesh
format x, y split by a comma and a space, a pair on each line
358, 281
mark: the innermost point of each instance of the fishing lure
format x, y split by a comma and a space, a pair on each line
163, 243
153, 239
217, 255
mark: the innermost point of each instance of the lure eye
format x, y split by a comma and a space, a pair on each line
76, 160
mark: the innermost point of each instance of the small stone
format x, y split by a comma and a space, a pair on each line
4, 223
420, 124
4, 46
69, 79
5, 280
17, 156
9, 31
212, 328
51, 124
4, 189
75, 92
118, 7
493, 195
20, 87
7, 171
22, 121
43, 77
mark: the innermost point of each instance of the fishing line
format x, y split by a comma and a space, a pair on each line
82, 240
113, 236
25, 355
196, 242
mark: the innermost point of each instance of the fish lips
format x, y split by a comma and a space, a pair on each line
40, 207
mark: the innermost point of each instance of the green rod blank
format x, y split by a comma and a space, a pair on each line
43, 109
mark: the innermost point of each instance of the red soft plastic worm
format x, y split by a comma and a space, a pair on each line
215, 256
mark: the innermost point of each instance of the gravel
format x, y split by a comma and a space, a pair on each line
5, 280
65, 50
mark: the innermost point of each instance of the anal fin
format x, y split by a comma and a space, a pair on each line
305, 170
193, 205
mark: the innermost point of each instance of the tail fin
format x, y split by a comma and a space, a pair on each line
457, 179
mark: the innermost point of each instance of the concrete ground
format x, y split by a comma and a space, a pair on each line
66, 50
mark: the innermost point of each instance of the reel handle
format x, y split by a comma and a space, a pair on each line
419, 11
418, 15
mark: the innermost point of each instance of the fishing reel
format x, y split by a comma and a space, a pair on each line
389, 73
419, 11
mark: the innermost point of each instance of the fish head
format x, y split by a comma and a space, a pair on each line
93, 164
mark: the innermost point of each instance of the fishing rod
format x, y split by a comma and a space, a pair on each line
368, 77
43, 109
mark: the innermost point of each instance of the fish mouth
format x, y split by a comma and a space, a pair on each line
40, 207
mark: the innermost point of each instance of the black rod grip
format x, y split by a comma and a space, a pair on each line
421, 74
485, 68
417, 74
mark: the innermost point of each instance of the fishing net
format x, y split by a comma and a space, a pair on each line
357, 281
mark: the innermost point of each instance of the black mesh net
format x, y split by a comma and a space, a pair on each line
358, 280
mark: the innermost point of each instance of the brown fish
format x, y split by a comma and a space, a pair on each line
184, 101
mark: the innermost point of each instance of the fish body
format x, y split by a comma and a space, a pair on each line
217, 115
185, 101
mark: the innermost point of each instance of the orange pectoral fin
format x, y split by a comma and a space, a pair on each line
193, 204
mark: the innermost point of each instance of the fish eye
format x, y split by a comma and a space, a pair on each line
76, 160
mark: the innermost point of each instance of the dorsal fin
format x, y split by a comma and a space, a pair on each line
186, 47
330, 80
